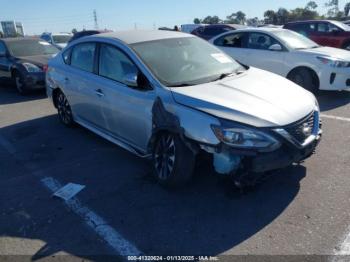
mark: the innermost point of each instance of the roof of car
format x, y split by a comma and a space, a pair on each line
309, 21
62, 33
138, 36
261, 29
16, 39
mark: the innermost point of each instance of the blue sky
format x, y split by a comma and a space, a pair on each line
63, 15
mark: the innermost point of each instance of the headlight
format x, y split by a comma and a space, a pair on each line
243, 138
333, 62
32, 68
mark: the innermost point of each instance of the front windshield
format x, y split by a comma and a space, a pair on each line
295, 40
31, 48
185, 61
61, 39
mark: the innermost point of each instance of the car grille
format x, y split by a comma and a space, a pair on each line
297, 130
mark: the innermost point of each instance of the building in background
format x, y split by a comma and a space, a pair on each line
12, 28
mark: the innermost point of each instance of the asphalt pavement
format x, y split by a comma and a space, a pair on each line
301, 210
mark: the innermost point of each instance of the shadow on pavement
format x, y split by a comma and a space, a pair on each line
329, 100
207, 217
9, 94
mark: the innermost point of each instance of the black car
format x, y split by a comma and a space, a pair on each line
23, 61
209, 31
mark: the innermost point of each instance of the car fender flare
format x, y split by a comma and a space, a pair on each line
165, 121
309, 68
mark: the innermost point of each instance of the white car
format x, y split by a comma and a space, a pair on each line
60, 40
289, 54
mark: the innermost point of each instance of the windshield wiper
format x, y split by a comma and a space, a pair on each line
222, 76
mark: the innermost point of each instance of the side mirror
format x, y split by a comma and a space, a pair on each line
131, 80
276, 47
2, 54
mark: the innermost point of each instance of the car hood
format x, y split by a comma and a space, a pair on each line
329, 51
256, 97
39, 60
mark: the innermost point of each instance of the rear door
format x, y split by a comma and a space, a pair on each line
235, 45
328, 34
307, 29
127, 111
81, 85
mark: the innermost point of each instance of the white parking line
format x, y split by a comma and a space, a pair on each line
336, 117
115, 240
95, 222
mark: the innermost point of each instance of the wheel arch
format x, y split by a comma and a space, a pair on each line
13, 70
311, 70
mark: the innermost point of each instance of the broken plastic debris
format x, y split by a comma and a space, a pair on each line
68, 191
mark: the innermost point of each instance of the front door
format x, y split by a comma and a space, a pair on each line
127, 111
262, 57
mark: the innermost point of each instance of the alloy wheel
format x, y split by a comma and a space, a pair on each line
164, 156
64, 110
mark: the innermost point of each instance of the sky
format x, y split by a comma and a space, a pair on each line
38, 16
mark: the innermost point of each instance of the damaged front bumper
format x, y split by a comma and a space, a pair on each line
228, 160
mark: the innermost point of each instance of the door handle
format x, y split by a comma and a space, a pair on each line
99, 93
66, 79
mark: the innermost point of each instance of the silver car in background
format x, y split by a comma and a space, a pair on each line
169, 96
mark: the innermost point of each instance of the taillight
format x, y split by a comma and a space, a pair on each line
45, 68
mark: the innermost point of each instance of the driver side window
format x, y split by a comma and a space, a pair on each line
260, 41
114, 64
327, 28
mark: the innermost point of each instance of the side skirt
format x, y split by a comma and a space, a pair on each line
113, 139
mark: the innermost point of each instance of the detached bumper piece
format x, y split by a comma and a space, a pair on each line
298, 142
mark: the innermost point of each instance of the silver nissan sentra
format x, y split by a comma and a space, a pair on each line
169, 96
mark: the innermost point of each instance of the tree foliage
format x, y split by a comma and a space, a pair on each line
211, 20
282, 15
236, 18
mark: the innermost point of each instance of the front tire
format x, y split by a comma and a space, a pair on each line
19, 83
304, 78
173, 161
64, 110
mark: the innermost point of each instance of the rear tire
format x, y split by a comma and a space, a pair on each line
173, 161
64, 110
304, 78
